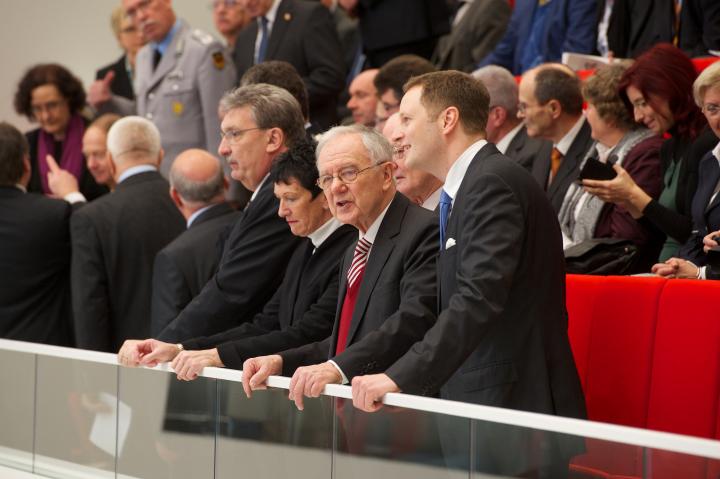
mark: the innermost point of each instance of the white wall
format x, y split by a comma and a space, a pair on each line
74, 33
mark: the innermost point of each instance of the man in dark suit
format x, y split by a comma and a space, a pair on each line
629, 27
504, 128
501, 335
301, 311
541, 31
197, 187
551, 105
115, 240
700, 27
34, 252
398, 27
387, 284
304, 35
261, 122
477, 27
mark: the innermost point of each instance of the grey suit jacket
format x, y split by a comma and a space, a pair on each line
481, 27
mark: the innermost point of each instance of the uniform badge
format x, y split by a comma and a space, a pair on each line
219, 60
178, 108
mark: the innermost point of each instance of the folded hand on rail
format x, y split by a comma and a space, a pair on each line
188, 364
257, 370
311, 380
368, 391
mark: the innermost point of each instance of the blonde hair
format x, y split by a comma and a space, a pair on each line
709, 78
116, 19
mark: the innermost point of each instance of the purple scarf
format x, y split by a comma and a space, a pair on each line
72, 158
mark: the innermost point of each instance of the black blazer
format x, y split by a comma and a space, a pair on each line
568, 171
184, 266
251, 268
121, 84
481, 27
301, 311
114, 243
35, 265
637, 25
700, 27
396, 301
705, 215
501, 336
88, 187
305, 36
524, 149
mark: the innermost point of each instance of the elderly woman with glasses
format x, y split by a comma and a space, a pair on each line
48, 94
697, 257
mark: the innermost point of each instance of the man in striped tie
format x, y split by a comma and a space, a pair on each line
387, 291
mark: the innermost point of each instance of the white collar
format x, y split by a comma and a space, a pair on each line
459, 168
716, 152
20, 187
257, 190
566, 142
271, 13
505, 141
319, 236
197, 213
432, 201
372, 231
603, 151
135, 170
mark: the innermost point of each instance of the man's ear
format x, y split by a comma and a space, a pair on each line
275, 140
555, 108
161, 155
450, 118
112, 165
175, 196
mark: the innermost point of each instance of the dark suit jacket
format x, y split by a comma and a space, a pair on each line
121, 84
570, 26
88, 187
700, 27
184, 266
524, 149
35, 265
501, 336
305, 36
251, 268
396, 300
301, 311
705, 215
568, 171
637, 25
114, 243
474, 37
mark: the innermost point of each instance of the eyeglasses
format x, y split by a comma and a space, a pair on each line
711, 109
141, 6
233, 136
51, 106
223, 3
347, 175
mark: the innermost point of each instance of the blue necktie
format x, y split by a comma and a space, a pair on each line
445, 206
263, 40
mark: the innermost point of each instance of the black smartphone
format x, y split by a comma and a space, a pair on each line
595, 169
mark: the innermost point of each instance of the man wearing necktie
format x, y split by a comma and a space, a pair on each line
501, 334
387, 293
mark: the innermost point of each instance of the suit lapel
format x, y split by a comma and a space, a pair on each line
379, 254
300, 263
280, 26
342, 289
169, 58
575, 153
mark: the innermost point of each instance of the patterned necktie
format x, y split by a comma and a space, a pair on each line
354, 279
445, 206
264, 37
555, 161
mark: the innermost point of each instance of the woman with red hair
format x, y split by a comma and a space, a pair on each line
658, 89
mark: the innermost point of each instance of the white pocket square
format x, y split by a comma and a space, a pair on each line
449, 243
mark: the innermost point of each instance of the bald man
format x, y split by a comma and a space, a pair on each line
197, 187
363, 98
419, 186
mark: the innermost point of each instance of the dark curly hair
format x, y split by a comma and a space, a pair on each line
297, 163
49, 74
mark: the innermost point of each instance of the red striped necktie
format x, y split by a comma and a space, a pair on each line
354, 279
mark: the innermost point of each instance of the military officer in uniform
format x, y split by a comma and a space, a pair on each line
181, 74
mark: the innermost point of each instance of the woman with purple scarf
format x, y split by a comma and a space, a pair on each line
54, 98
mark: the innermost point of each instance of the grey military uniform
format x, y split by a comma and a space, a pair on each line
181, 96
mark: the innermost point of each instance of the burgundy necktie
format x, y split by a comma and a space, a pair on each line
354, 279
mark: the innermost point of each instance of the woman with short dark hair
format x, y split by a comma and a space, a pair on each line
51, 96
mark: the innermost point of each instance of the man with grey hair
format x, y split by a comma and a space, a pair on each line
261, 121
197, 187
504, 128
387, 291
115, 240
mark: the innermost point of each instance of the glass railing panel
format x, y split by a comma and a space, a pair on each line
400, 443
17, 409
661, 464
267, 437
75, 418
166, 427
